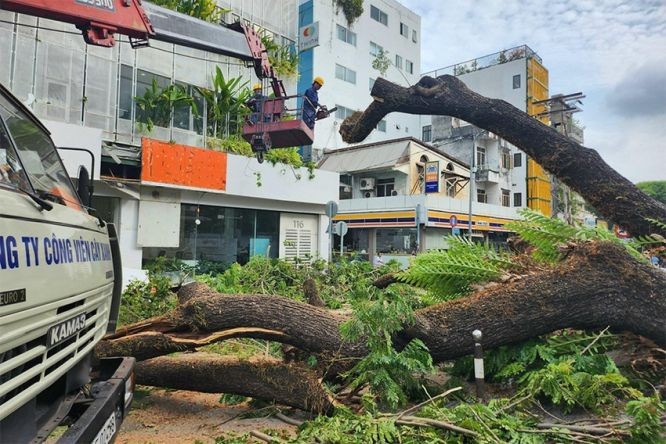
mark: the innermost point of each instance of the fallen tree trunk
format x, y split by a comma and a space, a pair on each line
598, 285
264, 378
581, 168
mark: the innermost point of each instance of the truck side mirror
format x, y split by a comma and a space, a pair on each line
85, 187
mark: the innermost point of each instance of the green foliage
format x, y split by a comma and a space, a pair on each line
229, 399
381, 62
655, 189
226, 104
391, 375
206, 10
142, 300
287, 156
283, 59
646, 413
549, 234
346, 427
156, 106
352, 9
233, 144
450, 273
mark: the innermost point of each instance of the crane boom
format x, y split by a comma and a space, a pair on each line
99, 20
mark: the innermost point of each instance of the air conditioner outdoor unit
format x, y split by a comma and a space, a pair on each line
367, 183
394, 192
368, 194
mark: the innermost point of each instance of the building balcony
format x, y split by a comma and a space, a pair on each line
488, 175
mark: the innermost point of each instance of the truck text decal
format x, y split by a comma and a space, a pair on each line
12, 297
33, 251
103, 4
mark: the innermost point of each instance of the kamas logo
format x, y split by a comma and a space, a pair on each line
65, 330
103, 4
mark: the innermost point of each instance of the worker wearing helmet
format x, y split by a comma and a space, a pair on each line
311, 102
256, 103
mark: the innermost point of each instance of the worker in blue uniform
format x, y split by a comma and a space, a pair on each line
256, 104
311, 102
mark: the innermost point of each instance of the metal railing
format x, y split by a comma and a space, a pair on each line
497, 58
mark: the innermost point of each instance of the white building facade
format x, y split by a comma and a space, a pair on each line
344, 59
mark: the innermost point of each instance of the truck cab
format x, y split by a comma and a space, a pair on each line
60, 286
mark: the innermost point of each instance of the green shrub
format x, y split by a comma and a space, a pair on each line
143, 300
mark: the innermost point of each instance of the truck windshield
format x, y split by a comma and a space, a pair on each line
38, 157
11, 172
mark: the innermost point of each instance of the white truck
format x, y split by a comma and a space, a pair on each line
60, 286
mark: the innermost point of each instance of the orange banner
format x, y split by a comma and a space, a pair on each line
174, 164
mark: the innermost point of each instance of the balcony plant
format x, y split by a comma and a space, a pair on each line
225, 103
156, 106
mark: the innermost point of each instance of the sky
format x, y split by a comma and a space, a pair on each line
611, 50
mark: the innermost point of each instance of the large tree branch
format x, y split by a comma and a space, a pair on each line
581, 168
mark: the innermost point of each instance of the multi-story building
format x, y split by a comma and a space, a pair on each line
403, 195
517, 76
344, 58
172, 198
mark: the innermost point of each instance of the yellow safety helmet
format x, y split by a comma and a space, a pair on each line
256, 86
319, 80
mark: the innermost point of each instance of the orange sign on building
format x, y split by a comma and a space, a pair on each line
168, 163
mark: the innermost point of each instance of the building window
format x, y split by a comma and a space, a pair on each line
516, 81
480, 156
375, 49
345, 186
404, 30
378, 15
346, 35
125, 94
343, 112
506, 198
506, 160
426, 133
398, 61
381, 126
184, 117
144, 83
409, 66
385, 186
517, 160
414, 35
517, 199
371, 83
344, 73
481, 196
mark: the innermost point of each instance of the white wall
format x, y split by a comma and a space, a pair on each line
357, 96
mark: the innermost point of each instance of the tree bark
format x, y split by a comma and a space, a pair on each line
264, 378
581, 168
597, 285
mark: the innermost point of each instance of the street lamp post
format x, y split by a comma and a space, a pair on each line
472, 181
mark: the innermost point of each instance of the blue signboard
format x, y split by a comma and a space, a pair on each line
432, 177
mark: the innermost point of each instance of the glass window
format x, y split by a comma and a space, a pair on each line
409, 66
516, 81
343, 112
506, 198
395, 240
125, 103
11, 172
480, 156
517, 199
144, 84
378, 15
344, 73
404, 30
426, 133
517, 160
506, 160
398, 61
375, 49
371, 83
346, 35
385, 186
184, 117
38, 157
481, 196
414, 35
381, 126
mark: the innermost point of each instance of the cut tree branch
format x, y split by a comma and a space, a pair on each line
581, 168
